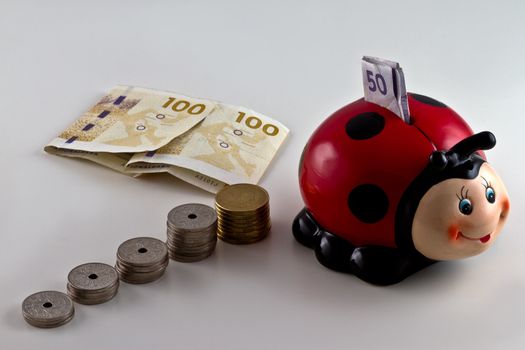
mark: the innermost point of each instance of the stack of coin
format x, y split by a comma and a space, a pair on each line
48, 309
141, 260
243, 212
92, 283
192, 232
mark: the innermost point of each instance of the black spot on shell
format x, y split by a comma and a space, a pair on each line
428, 100
368, 203
365, 125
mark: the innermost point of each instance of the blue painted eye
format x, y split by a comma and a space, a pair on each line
490, 194
465, 206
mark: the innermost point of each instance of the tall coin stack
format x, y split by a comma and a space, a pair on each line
243, 212
141, 260
192, 232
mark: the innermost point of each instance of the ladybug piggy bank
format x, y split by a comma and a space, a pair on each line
384, 198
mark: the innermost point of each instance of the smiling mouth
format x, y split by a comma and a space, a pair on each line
483, 239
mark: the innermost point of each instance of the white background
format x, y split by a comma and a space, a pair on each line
296, 61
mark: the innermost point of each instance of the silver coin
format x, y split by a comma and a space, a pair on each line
192, 232
192, 217
142, 251
142, 260
141, 277
92, 283
192, 242
92, 276
48, 309
122, 267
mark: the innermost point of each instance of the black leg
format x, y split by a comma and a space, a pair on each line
334, 252
305, 229
373, 264
385, 266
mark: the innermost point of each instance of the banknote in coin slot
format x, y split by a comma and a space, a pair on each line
384, 85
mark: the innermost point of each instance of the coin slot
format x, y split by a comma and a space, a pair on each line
192, 216
47, 305
93, 276
142, 250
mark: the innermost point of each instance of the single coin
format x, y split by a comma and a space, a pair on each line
48, 309
240, 234
192, 217
243, 226
92, 276
262, 211
241, 198
142, 251
243, 221
140, 277
242, 240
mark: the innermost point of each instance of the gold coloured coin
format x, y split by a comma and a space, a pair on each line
243, 214
241, 198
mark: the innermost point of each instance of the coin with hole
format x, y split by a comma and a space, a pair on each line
92, 283
142, 260
192, 232
48, 309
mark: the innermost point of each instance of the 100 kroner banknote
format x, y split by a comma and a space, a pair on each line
207, 143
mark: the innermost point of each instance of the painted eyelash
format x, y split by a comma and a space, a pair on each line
487, 184
463, 196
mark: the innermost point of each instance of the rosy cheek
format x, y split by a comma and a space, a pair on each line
453, 232
506, 204
505, 208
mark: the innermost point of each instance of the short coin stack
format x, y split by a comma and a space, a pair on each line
48, 309
192, 232
243, 212
92, 283
141, 260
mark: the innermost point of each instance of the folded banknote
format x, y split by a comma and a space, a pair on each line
204, 142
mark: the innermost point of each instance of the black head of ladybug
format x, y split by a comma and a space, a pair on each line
460, 157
